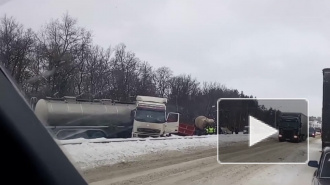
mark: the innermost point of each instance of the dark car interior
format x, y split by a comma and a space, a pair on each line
28, 147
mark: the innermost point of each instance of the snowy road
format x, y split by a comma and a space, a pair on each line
199, 166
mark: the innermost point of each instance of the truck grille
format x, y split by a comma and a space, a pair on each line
288, 133
148, 130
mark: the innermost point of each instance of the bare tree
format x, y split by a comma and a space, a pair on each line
62, 60
124, 67
16, 45
163, 76
145, 83
60, 42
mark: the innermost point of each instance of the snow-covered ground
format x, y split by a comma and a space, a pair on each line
89, 155
287, 174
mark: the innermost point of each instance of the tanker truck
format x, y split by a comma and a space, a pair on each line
68, 117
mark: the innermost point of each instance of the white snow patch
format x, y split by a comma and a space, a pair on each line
90, 155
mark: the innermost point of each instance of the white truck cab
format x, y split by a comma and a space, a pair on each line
150, 116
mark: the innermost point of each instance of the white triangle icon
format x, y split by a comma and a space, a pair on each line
259, 131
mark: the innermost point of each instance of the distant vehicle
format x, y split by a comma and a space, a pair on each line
225, 130
322, 173
292, 126
246, 130
312, 132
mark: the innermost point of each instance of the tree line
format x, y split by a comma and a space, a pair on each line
60, 59
235, 114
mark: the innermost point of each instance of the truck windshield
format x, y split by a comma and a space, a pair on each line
290, 123
150, 115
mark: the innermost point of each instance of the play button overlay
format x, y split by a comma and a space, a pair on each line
259, 131
262, 131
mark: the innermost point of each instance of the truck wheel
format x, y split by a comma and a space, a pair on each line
280, 140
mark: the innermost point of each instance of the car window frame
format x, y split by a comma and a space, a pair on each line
33, 138
323, 157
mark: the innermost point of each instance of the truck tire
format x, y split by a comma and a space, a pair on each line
280, 140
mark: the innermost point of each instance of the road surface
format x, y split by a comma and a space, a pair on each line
201, 167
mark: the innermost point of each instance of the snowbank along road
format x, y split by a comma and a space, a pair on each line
197, 164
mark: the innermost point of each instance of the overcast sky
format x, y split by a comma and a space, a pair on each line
274, 48
286, 105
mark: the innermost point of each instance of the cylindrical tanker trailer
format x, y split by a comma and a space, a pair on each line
68, 118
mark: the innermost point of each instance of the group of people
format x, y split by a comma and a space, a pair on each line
213, 130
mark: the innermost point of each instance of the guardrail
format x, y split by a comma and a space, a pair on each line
66, 142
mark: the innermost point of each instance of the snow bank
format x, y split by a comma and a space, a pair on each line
89, 155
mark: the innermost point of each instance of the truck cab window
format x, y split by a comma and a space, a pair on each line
172, 118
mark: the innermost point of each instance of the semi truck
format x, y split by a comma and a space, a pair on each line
293, 127
69, 117
325, 136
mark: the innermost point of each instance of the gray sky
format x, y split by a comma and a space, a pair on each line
270, 49
286, 105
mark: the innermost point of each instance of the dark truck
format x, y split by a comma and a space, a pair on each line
326, 108
293, 127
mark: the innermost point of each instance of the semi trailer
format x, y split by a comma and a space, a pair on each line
69, 117
325, 136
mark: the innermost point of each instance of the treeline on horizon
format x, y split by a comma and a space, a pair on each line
236, 113
60, 59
